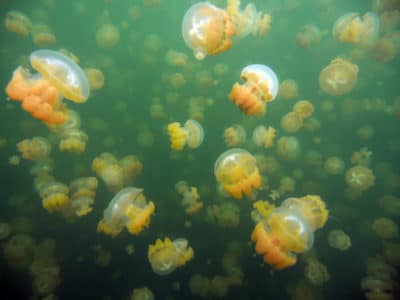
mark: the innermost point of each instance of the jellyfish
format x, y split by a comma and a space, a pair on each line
338, 239
303, 108
191, 198
234, 135
386, 48
207, 29
237, 172
385, 228
128, 208
261, 210
359, 178
165, 256
264, 136
176, 59
143, 293
107, 36
334, 165
18, 251
339, 77
288, 147
191, 134
107, 167
35, 149
43, 36
226, 214
289, 229
18, 23
54, 195
350, 28
260, 87
316, 272
5, 230
73, 140
291, 122
95, 78
288, 89
82, 193
309, 36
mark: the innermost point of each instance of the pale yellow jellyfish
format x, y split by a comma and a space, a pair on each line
82, 193
291, 122
191, 198
107, 167
339, 77
175, 58
5, 230
128, 208
386, 48
234, 135
18, 22
308, 36
303, 108
95, 78
165, 256
43, 36
390, 204
288, 89
385, 228
359, 178
338, 239
263, 136
73, 140
334, 165
190, 134
54, 196
143, 293
226, 214
36, 148
107, 36
18, 251
316, 272
288, 147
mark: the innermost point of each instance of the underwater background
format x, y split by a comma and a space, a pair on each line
144, 78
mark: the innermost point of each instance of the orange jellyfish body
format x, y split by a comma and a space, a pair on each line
207, 29
237, 172
260, 87
339, 77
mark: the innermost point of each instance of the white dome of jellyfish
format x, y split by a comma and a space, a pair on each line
260, 87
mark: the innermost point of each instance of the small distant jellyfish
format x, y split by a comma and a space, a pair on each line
260, 87
309, 36
95, 78
264, 136
350, 28
288, 89
359, 178
288, 147
5, 230
334, 165
18, 23
339, 77
207, 29
338, 239
234, 135
316, 272
165, 256
386, 48
43, 36
143, 293
385, 228
291, 122
191, 134
107, 36
237, 172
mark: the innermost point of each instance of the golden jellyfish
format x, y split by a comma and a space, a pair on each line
175, 58
226, 214
286, 185
339, 77
95, 78
386, 48
191, 198
248, 20
338, 239
316, 272
43, 37
14, 160
18, 23
334, 165
107, 36
359, 178
128, 208
47, 281
5, 230
351, 28
73, 140
176, 80
264, 136
261, 210
143, 293
289, 229
291, 122
191, 134
221, 69
54, 196
390, 204
288, 89
303, 108
309, 36
385, 228
82, 193
165, 256
237, 172
35, 149
207, 29
234, 135
107, 167
131, 167
260, 87
288, 147
18, 251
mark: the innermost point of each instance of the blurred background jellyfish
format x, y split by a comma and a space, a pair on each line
237, 172
288, 147
54, 195
316, 272
338, 239
289, 229
128, 208
260, 87
191, 134
288, 89
334, 165
107, 36
207, 29
43, 36
18, 23
234, 135
35, 149
191, 198
165, 256
82, 193
264, 136
339, 77
309, 36
350, 28
143, 293
359, 178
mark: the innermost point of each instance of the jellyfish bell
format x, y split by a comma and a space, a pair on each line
207, 29
62, 72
